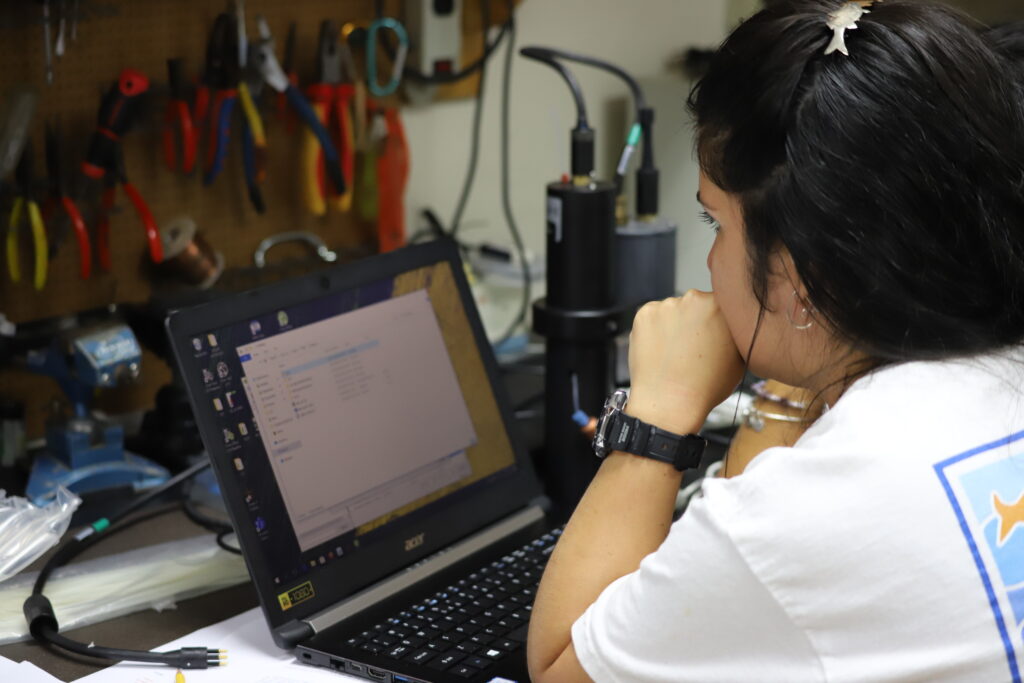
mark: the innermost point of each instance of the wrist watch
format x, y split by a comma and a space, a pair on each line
617, 431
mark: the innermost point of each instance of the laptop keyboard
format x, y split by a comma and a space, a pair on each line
470, 624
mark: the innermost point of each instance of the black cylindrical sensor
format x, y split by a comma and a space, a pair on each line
580, 245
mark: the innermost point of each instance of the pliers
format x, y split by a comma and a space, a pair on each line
104, 160
332, 97
116, 175
220, 75
275, 77
254, 138
24, 201
178, 122
225, 73
288, 65
60, 201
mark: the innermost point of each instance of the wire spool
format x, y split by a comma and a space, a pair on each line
188, 257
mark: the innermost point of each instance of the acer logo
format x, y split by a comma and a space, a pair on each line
414, 542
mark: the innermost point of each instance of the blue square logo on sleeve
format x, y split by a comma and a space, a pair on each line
986, 489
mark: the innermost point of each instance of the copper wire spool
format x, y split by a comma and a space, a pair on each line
188, 257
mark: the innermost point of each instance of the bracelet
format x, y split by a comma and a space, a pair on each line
755, 418
760, 389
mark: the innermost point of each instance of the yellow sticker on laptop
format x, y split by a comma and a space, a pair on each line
293, 597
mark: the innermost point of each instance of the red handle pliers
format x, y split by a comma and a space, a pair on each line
60, 201
178, 124
104, 160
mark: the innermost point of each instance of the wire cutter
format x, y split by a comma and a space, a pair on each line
276, 78
288, 65
24, 201
104, 160
60, 201
254, 138
332, 102
221, 75
116, 175
178, 122
224, 72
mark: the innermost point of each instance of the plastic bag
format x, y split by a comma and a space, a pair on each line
151, 577
27, 531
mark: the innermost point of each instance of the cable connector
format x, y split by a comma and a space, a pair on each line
197, 658
39, 614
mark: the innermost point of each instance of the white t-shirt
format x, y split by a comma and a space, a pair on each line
887, 545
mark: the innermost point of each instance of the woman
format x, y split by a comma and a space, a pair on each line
863, 167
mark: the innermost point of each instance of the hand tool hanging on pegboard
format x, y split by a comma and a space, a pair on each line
60, 210
104, 160
227, 72
55, 47
179, 128
332, 96
276, 78
25, 205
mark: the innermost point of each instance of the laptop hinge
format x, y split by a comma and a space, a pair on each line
292, 633
425, 568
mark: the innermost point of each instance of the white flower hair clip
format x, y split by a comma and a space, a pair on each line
842, 20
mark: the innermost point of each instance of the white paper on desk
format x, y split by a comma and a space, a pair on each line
252, 658
24, 672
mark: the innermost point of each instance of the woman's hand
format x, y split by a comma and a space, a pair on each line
682, 362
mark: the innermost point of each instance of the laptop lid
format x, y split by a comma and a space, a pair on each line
355, 421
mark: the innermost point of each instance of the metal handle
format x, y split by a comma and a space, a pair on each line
317, 244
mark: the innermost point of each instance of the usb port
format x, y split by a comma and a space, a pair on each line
376, 674
400, 679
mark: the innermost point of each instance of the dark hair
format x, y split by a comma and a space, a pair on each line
1009, 40
893, 176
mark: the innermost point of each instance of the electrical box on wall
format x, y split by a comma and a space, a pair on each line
435, 35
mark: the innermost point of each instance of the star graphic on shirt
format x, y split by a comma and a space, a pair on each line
1010, 515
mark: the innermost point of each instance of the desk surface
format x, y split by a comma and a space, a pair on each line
143, 630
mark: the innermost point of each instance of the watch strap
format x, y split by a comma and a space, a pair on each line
632, 435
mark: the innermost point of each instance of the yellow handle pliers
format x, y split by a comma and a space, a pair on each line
24, 202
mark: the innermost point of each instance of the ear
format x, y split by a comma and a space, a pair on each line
786, 269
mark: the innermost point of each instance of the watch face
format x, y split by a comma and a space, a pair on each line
614, 404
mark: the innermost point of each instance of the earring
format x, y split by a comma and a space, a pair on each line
804, 314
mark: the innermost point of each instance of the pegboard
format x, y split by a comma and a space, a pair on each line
143, 35
112, 35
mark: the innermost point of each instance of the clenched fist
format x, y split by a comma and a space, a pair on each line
682, 362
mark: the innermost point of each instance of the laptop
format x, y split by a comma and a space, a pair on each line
392, 524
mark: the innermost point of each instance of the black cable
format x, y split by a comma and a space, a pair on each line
153, 493
540, 54
188, 506
39, 612
417, 76
647, 175
474, 150
218, 526
220, 541
444, 78
506, 200
639, 101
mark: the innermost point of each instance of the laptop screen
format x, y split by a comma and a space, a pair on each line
342, 414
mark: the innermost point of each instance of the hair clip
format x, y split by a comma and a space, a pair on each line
842, 20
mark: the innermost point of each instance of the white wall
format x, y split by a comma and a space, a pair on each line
642, 36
